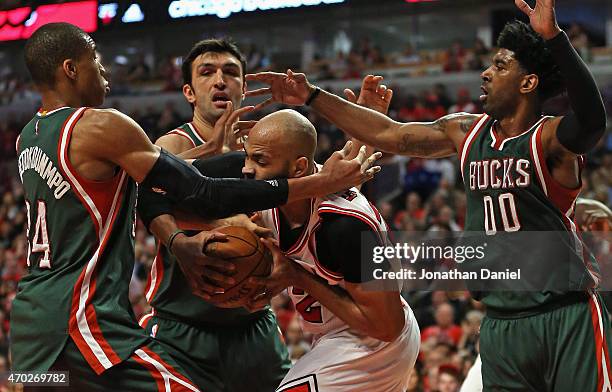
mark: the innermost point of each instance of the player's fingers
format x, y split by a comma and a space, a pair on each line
523, 6
299, 77
271, 244
346, 150
264, 76
218, 279
262, 231
361, 156
350, 95
246, 124
370, 82
388, 95
223, 266
370, 161
259, 91
372, 171
239, 112
381, 90
263, 104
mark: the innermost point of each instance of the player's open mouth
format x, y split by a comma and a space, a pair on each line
220, 99
484, 95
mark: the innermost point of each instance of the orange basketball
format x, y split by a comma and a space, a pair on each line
250, 257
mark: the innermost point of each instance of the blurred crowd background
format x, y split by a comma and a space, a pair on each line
431, 55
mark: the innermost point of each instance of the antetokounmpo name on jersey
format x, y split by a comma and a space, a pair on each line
33, 158
502, 173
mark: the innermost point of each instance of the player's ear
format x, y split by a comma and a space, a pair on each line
301, 167
529, 83
189, 93
70, 69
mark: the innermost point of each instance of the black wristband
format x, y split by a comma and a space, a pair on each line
312, 96
171, 240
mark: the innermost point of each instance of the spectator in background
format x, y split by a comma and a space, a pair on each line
407, 57
140, 70
445, 330
455, 57
579, 40
444, 99
477, 57
448, 379
464, 102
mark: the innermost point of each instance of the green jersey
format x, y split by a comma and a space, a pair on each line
510, 192
167, 289
80, 254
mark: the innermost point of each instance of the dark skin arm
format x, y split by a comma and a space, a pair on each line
561, 162
438, 139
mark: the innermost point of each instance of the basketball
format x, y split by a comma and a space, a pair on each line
250, 257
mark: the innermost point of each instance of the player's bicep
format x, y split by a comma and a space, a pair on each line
117, 138
437, 139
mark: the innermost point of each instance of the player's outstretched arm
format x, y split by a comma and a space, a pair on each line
428, 140
581, 129
109, 136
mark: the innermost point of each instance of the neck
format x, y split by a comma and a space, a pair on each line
520, 121
52, 99
202, 125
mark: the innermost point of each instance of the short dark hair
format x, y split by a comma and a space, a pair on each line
49, 46
222, 45
533, 55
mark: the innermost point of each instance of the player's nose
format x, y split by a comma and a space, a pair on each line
219, 80
248, 172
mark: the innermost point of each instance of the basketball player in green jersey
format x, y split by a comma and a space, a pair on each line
253, 357
555, 340
79, 169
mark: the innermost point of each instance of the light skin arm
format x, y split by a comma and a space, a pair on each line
437, 139
373, 313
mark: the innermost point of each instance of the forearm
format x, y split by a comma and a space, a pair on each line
342, 305
216, 198
162, 227
364, 124
580, 131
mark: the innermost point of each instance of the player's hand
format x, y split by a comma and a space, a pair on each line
372, 95
341, 172
541, 17
290, 88
206, 275
283, 275
224, 136
254, 224
590, 212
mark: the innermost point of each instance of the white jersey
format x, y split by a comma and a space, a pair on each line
319, 320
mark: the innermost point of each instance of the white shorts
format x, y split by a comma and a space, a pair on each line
341, 362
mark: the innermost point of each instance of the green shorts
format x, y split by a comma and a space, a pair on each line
565, 349
251, 357
148, 369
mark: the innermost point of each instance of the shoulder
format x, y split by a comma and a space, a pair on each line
175, 141
106, 119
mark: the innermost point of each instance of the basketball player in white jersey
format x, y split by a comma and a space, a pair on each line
365, 340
